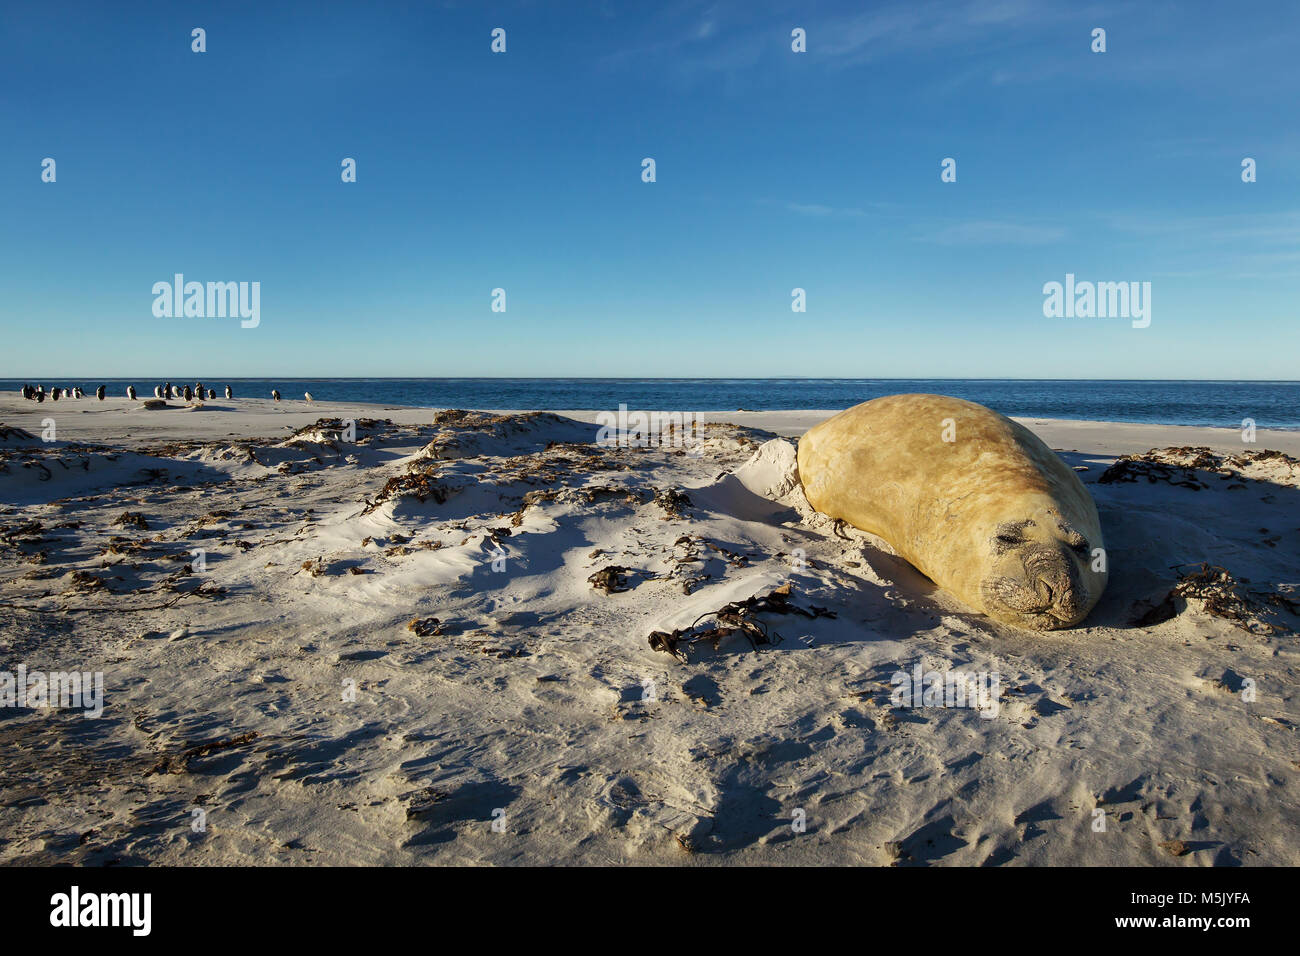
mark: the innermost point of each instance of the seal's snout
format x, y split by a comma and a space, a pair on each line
1055, 576
1045, 591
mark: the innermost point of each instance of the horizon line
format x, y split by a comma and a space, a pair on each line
652, 378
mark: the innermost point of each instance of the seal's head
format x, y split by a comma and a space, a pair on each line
1042, 574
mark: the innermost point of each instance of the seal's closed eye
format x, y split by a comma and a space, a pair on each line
1009, 534
1075, 541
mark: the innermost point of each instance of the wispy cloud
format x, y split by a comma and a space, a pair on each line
816, 209
707, 26
1229, 245
700, 39
872, 33
994, 232
1281, 227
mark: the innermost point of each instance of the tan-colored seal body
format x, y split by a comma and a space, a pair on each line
993, 515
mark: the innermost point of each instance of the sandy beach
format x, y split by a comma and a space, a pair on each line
367, 634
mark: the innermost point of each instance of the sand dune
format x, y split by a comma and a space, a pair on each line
432, 638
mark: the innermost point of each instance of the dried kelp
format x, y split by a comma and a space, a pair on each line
180, 763
1222, 596
425, 627
611, 579
738, 617
1189, 466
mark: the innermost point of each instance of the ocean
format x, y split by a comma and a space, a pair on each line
1225, 404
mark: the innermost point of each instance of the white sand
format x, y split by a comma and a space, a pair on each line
541, 697
121, 421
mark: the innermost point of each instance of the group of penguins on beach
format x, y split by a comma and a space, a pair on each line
199, 391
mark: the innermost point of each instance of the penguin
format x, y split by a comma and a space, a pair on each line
40, 396
78, 393
275, 395
54, 394
167, 390
189, 394
212, 394
307, 395
130, 392
27, 392
157, 391
99, 392
230, 393
199, 390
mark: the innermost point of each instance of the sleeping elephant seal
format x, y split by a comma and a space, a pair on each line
974, 501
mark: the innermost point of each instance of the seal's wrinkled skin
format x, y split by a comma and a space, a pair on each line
994, 517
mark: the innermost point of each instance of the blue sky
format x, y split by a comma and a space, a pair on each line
775, 170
